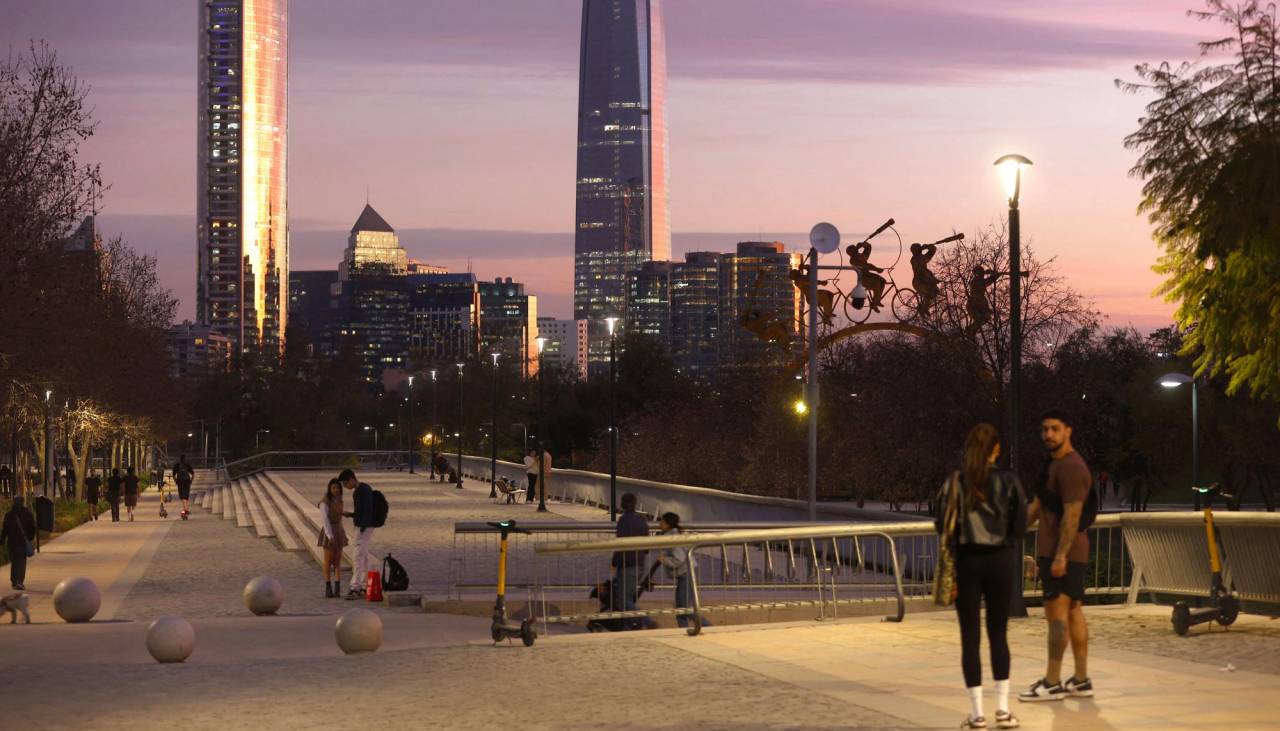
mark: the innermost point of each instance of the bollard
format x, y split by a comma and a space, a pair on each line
263, 595
170, 639
77, 599
358, 630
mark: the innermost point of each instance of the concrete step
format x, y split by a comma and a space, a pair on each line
215, 505
284, 534
243, 518
229, 502
303, 528
310, 511
258, 519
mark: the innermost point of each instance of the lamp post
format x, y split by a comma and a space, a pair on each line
461, 428
48, 443
1010, 167
612, 322
374, 429
435, 419
261, 432
1174, 380
823, 239
542, 474
493, 436
413, 438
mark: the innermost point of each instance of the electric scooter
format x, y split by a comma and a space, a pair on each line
1223, 607
503, 627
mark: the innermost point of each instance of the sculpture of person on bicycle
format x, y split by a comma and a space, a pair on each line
923, 281
826, 298
978, 305
860, 261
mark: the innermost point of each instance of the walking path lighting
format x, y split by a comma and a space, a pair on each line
542, 475
374, 429
493, 441
1010, 167
413, 447
435, 420
612, 322
461, 427
1177, 380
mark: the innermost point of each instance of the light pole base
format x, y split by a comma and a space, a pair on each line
542, 509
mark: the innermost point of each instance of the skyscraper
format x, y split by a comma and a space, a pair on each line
242, 278
372, 248
621, 218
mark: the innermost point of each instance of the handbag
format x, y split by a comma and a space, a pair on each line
945, 588
30, 549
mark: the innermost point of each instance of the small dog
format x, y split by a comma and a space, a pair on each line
15, 603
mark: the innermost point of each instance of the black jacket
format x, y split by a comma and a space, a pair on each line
18, 527
1000, 520
362, 502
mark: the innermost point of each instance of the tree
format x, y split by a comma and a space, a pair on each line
1210, 155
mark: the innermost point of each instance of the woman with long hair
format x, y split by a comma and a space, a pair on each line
983, 515
332, 538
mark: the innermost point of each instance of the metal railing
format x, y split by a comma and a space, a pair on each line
316, 460
1171, 553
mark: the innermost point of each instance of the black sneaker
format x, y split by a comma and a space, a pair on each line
1004, 719
1078, 688
1042, 691
354, 594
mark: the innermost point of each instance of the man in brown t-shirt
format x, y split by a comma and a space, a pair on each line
1063, 555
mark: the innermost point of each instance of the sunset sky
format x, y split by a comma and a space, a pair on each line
458, 117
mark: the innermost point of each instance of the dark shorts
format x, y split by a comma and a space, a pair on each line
131, 499
1071, 583
184, 491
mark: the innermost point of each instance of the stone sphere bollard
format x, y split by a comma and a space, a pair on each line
170, 639
263, 595
77, 599
358, 630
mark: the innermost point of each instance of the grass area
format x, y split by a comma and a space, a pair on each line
67, 514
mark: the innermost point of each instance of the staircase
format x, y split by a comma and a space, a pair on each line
270, 507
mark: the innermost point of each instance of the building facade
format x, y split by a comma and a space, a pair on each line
564, 344
756, 281
196, 351
696, 309
649, 301
509, 324
621, 216
241, 169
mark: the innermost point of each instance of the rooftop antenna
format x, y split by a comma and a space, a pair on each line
366, 194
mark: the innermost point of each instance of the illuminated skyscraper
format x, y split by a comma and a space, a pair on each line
372, 248
242, 230
621, 219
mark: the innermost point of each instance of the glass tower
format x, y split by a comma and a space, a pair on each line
242, 276
621, 219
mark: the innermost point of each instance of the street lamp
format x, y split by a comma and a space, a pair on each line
493, 440
412, 440
1010, 167
374, 429
1175, 380
612, 322
260, 432
542, 475
461, 428
823, 239
435, 421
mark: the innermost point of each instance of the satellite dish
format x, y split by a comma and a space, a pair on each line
825, 238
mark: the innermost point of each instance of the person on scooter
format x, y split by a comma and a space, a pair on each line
1063, 553
183, 474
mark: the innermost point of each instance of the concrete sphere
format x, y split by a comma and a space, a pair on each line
358, 630
263, 595
77, 599
170, 639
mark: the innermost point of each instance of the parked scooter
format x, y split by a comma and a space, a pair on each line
1223, 607
503, 627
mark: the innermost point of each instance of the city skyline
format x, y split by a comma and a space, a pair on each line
820, 128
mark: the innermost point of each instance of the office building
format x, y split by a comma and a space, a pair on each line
196, 351
372, 248
241, 170
621, 216
313, 308
564, 344
696, 312
756, 282
509, 324
649, 302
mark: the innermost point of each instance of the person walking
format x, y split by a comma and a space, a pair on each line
115, 485
92, 491
17, 530
530, 472
183, 474
362, 517
1062, 551
627, 565
333, 538
680, 565
545, 456
130, 491
983, 515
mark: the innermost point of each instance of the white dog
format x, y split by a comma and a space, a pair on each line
15, 603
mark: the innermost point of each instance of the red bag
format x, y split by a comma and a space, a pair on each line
373, 587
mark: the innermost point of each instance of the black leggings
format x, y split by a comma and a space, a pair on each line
984, 572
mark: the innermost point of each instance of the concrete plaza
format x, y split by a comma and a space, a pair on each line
440, 670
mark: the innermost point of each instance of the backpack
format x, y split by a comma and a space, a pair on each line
380, 509
394, 577
1053, 501
181, 473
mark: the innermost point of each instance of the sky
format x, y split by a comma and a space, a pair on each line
457, 118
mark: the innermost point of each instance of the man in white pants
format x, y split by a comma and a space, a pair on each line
362, 517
